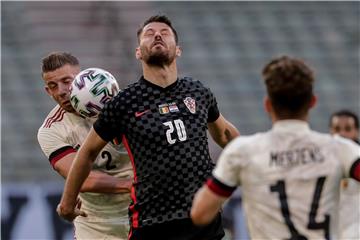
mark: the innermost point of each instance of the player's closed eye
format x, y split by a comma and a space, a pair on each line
149, 33
165, 32
52, 86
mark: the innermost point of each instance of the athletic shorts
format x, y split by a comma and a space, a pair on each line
182, 229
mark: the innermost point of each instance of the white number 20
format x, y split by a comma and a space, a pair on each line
180, 130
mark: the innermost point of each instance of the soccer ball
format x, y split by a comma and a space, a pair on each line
91, 89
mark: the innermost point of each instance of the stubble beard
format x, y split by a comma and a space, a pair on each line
159, 58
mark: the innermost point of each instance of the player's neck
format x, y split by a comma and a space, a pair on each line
161, 76
275, 118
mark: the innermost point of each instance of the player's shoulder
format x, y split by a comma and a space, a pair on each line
332, 141
342, 142
190, 81
128, 92
59, 122
194, 84
49, 129
335, 144
242, 147
247, 143
56, 115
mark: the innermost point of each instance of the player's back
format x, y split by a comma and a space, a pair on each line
290, 178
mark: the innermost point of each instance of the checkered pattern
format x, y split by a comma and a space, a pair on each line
167, 175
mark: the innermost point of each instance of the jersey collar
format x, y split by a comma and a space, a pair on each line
150, 84
291, 126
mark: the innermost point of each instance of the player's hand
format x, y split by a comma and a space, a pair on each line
70, 214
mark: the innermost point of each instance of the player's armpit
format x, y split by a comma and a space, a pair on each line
222, 131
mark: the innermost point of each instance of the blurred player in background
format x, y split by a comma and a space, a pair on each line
105, 193
346, 124
163, 121
290, 175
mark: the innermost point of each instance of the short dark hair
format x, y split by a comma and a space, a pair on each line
161, 19
57, 60
289, 83
345, 113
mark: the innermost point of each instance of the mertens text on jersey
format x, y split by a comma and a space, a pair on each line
296, 157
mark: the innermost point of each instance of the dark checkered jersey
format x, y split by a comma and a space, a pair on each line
165, 133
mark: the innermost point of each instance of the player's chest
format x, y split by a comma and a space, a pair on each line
111, 156
172, 116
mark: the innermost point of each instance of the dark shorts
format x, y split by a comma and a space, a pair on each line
182, 229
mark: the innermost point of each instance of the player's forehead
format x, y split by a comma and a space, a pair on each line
343, 121
60, 73
157, 26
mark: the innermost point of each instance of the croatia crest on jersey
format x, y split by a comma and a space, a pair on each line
190, 104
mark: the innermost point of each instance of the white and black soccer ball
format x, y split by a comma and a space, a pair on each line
91, 89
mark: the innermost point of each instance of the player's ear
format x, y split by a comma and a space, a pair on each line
313, 101
138, 53
267, 104
178, 51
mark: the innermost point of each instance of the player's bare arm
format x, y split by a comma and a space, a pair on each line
222, 131
97, 181
79, 171
206, 205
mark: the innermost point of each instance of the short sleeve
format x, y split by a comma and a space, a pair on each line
107, 126
53, 145
228, 168
213, 110
349, 153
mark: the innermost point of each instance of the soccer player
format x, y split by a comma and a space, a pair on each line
346, 124
105, 193
290, 175
162, 120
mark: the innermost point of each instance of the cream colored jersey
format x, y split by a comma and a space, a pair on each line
290, 178
350, 210
62, 133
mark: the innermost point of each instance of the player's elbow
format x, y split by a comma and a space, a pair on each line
198, 217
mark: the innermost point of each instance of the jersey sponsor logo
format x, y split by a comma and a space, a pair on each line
139, 114
190, 104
